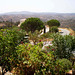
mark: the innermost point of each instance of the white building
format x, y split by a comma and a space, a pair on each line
21, 21
46, 29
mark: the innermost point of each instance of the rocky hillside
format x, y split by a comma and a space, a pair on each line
66, 20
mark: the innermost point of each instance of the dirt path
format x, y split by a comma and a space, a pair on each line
64, 31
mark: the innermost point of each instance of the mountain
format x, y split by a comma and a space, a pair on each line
16, 13
31, 13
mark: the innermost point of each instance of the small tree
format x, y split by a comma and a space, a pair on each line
53, 29
53, 22
32, 24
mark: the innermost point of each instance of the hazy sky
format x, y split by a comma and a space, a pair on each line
59, 6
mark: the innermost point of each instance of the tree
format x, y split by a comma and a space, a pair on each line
32, 24
53, 22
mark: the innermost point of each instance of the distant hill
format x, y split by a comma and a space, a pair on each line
15, 13
66, 19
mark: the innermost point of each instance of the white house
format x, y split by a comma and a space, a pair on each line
21, 21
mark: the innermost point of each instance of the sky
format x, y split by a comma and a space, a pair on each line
58, 6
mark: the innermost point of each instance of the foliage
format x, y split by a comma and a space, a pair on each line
62, 65
53, 22
27, 59
32, 60
35, 36
53, 29
45, 35
64, 45
8, 23
48, 35
32, 24
74, 66
9, 39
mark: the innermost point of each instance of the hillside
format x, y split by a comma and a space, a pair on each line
66, 19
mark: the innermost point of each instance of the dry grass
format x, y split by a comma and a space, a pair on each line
71, 31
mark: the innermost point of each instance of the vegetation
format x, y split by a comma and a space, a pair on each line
62, 65
17, 54
53, 29
8, 24
53, 22
34, 36
32, 60
64, 46
48, 35
65, 20
32, 24
9, 39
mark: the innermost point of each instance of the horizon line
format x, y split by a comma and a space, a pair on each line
36, 12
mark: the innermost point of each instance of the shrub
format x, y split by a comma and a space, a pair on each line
64, 46
48, 35
32, 60
9, 39
34, 36
53, 29
62, 65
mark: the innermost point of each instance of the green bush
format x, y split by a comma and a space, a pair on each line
34, 36
64, 46
45, 35
65, 63
32, 60
62, 66
9, 39
48, 35
29, 59
53, 29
